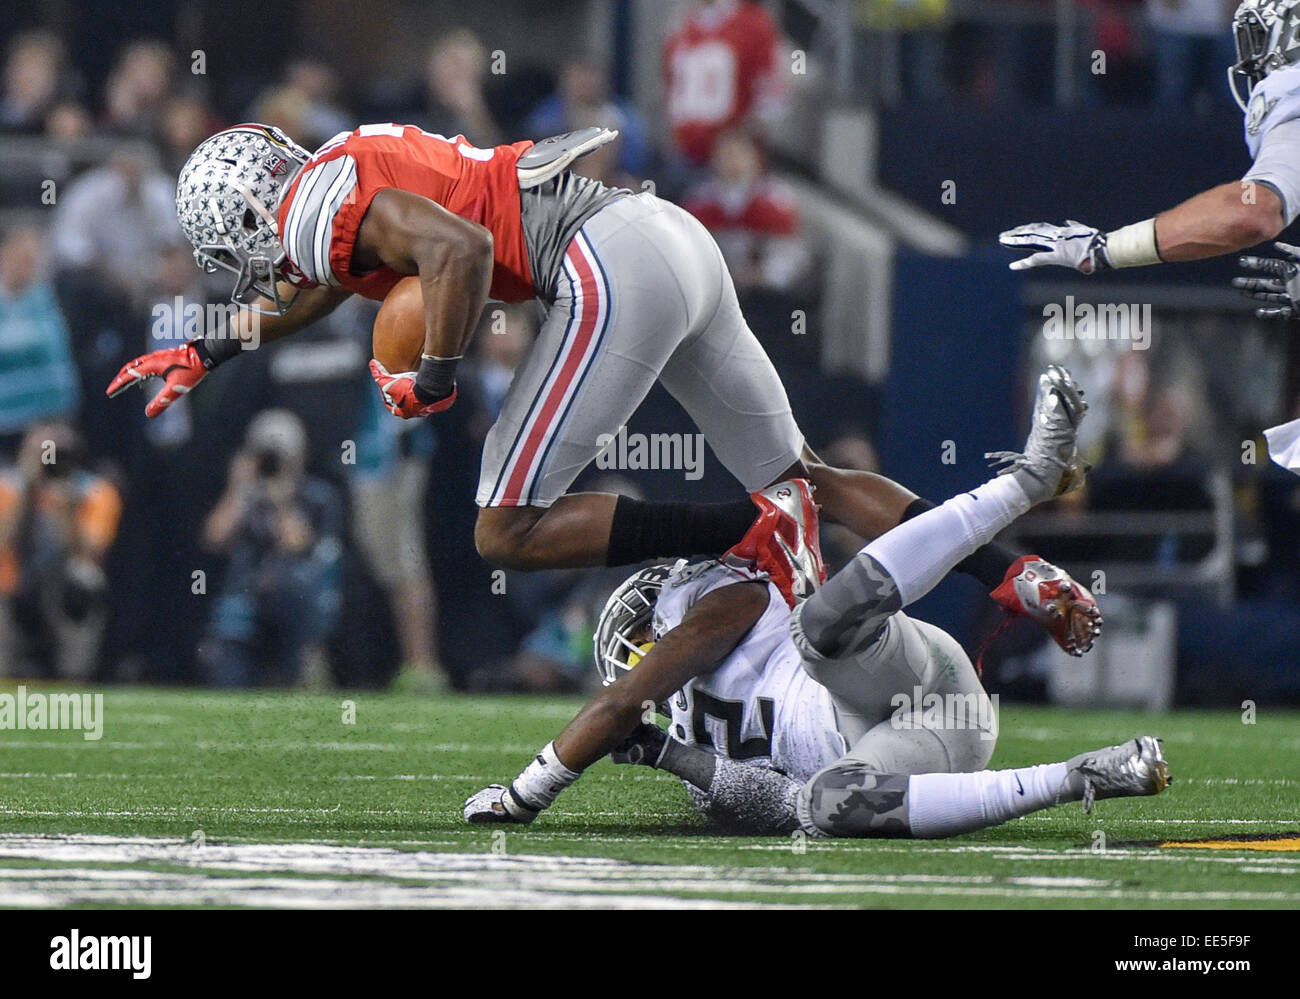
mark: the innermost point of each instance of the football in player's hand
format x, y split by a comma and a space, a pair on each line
399, 328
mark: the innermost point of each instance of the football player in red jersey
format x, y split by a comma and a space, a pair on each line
636, 291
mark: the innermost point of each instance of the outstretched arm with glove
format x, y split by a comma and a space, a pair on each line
182, 368
402, 231
1224, 219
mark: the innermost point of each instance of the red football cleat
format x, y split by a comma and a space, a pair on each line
784, 540
1047, 594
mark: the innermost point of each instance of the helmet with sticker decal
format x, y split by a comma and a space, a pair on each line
226, 200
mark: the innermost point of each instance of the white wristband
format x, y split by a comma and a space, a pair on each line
540, 783
1133, 246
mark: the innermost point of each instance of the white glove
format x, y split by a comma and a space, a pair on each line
1281, 289
1071, 245
495, 804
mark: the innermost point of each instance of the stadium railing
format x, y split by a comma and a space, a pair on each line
1212, 531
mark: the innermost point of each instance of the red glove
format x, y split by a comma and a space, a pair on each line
399, 393
180, 368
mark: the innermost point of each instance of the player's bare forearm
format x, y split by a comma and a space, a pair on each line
1224, 219
709, 632
310, 306
453, 257
455, 281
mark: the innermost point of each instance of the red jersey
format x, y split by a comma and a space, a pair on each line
716, 67
762, 209
322, 210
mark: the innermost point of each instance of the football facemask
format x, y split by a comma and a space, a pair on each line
623, 632
1266, 36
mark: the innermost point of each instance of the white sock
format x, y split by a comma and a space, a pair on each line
919, 552
949, 804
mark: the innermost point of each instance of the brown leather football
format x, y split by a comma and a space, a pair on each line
399, 328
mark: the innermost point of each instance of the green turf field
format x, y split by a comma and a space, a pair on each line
197, 798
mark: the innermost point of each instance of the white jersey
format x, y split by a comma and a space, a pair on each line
759, 706
1273, 136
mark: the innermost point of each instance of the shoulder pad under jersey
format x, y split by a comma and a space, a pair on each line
1274, 100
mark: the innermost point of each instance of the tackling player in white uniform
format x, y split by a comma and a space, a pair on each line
759, 705
845, 718
1232, 217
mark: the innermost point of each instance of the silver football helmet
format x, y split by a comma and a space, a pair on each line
622, 635
1265, 32
226, 200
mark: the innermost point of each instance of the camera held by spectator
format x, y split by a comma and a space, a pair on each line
282, 532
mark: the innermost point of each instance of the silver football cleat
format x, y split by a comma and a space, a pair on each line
1050, 465
1131, 769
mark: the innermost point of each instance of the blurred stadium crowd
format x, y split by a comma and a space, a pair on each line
279, 527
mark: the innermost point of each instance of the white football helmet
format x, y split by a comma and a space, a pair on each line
226, 200
1266, 34
629, 610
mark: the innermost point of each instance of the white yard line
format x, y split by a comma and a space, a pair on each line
297, 874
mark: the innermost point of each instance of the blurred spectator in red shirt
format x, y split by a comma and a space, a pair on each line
754, 220
720, 67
